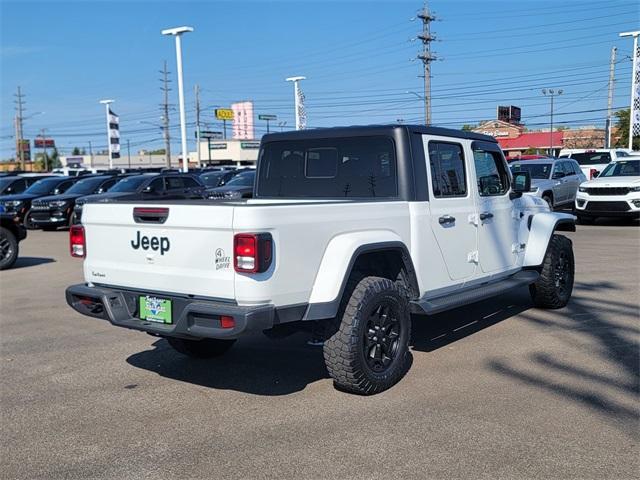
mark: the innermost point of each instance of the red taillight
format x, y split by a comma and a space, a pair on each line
227, 321
252, 252
77, 243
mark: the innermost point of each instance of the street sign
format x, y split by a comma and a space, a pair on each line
218, 146
267, 117
224, 114
250, 145
209, 134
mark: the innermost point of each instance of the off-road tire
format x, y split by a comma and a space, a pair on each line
8, 248
205, 348
348, 352
555, 284
549, 199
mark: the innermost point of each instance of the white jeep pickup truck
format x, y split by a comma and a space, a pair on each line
356, 228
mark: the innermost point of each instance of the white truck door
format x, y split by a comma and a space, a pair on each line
497, 224
452, 206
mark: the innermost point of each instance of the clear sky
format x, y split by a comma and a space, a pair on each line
358, 56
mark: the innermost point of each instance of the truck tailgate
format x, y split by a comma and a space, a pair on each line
189, 251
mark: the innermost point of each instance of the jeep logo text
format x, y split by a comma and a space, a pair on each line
153, 243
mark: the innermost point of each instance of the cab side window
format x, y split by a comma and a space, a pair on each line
64, 186
491, 173
448, 176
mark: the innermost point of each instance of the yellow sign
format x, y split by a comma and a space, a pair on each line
224, 114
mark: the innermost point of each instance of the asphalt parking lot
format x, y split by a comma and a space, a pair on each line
497, 389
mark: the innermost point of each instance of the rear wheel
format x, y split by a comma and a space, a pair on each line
8, 248
555, 284
549, 199
205, 348
370, 351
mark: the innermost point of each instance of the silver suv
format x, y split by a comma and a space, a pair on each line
554, 180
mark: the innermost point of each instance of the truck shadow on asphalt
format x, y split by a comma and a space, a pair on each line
607, 383
24, 262
261, 366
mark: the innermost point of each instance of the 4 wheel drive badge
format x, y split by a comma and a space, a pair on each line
222, 261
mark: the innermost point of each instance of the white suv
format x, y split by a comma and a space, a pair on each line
594, 161
615, 193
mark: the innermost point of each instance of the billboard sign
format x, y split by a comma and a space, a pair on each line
44, 143
224, 114
243, 121
268, 118
509, 113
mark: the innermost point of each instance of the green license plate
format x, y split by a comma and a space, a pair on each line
155, 309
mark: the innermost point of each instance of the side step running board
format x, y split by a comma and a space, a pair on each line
474, 294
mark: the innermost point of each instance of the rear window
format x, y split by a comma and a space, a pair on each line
360, 167
592, 158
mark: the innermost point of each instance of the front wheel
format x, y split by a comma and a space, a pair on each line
8, 248
555, 284
205, 348
28, 221
370, 351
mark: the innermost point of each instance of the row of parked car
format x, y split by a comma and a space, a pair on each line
48, 202
56, 201
613, 191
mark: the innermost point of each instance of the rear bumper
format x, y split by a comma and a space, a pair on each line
192, 318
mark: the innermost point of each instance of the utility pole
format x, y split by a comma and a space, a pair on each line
551, 92
165, 117
44, 151
90, 155
128, 154
427, 57
612, 69
19, 132
197, 88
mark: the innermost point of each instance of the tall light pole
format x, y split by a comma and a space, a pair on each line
296, 94
551, 93
106, 104
634, 108
177, 33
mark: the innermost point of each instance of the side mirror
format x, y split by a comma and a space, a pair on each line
57, 191
521, 184
149, 189
595, 174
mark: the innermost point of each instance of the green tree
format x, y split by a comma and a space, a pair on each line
75, 151
467, 127
622, 130
54, 159
159, 151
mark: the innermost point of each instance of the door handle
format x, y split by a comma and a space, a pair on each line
486, 215
446, 220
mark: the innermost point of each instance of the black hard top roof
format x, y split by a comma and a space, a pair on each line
368, 130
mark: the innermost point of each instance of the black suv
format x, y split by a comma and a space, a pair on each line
14, 184
55, 211
19, 205
148, 186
